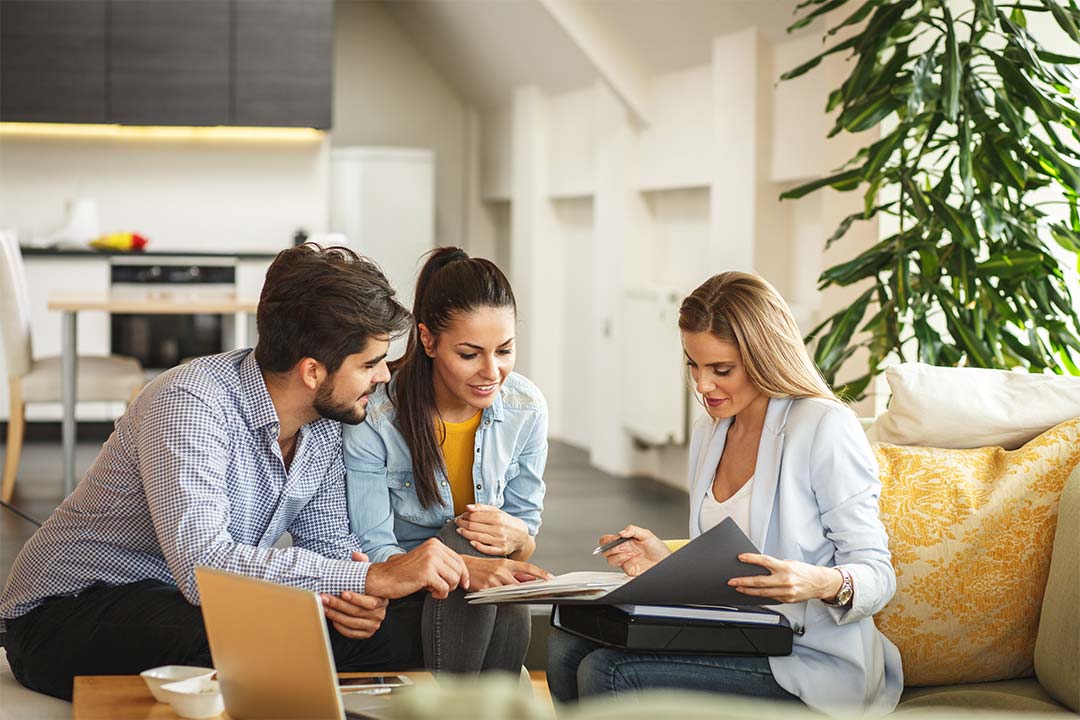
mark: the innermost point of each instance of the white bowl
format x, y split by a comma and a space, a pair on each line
156, 677
197, 698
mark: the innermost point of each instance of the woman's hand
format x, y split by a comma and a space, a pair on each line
788, 581
491, 531
495, 572
638, 555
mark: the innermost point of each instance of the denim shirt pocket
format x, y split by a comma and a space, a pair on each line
403, 497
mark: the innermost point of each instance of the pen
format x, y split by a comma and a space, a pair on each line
607, 546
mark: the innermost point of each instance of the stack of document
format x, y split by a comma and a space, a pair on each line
698, 574
571, 586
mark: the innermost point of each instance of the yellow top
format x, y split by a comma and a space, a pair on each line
458, 453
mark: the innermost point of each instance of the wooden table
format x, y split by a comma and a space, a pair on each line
150, 303
126, 697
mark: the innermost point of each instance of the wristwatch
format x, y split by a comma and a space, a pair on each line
846, 592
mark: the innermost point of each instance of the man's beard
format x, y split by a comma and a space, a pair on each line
327, 407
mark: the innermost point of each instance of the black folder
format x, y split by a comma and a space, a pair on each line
617, 628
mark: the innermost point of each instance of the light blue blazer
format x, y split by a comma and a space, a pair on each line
815, 499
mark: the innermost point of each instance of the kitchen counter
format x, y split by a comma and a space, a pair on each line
90, 252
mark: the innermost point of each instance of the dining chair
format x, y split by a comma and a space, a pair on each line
111, 378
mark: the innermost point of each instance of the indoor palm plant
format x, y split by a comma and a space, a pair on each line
978, 164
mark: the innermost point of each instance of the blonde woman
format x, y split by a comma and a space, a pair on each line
789, 463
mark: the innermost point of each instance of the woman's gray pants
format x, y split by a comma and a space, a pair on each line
463, 638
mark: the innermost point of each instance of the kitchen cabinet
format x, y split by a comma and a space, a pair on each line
284, 59
52, 61
169, 62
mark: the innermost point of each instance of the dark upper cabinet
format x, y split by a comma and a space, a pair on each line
169, 62
284, 59
52, 61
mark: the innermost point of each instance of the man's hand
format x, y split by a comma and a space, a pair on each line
492, 531
431, 566
495, 572
354, 615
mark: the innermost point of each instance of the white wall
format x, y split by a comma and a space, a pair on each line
181, 194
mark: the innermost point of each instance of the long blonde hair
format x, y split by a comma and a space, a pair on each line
748, 312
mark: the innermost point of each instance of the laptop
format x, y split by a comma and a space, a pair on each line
272, 651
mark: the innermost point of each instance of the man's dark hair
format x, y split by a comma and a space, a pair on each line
323, 303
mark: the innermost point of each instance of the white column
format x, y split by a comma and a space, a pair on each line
623, 224
536, 254
735, 139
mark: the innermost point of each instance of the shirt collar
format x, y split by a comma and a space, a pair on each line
496, 409
260, 407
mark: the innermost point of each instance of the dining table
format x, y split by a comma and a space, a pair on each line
149, 303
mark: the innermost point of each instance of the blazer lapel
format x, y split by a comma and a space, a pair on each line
767, 471
712, 447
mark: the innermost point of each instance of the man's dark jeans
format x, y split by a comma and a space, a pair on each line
126, 629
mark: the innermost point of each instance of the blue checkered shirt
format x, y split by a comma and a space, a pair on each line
193, 475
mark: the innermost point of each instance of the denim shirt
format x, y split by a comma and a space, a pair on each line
508, 470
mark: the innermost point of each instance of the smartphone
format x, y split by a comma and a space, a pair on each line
370, 683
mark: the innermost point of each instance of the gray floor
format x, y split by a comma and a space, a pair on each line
582, 503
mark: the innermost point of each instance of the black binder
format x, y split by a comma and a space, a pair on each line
609, 625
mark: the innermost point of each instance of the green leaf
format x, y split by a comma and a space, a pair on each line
901, 281
816, 60
1018, 18
865, 265
922, 80
928, 340
843, 181
854, 18
880, 152
865, 115
960, 225
1012, 264
1064, 20
1056, 58
966, 173
843, 324
846, 223
950, 69
810, 17
1049, 160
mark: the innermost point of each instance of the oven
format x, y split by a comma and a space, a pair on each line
163, 341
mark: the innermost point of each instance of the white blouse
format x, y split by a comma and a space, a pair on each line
736, 507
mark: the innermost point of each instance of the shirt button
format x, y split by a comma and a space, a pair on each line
444, 483
408, 484
479, 486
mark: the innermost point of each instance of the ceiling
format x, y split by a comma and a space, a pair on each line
485, 48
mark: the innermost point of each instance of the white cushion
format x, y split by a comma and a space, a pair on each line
948, 407
18, 703
100, 379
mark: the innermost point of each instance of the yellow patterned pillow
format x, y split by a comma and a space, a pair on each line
971, 532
